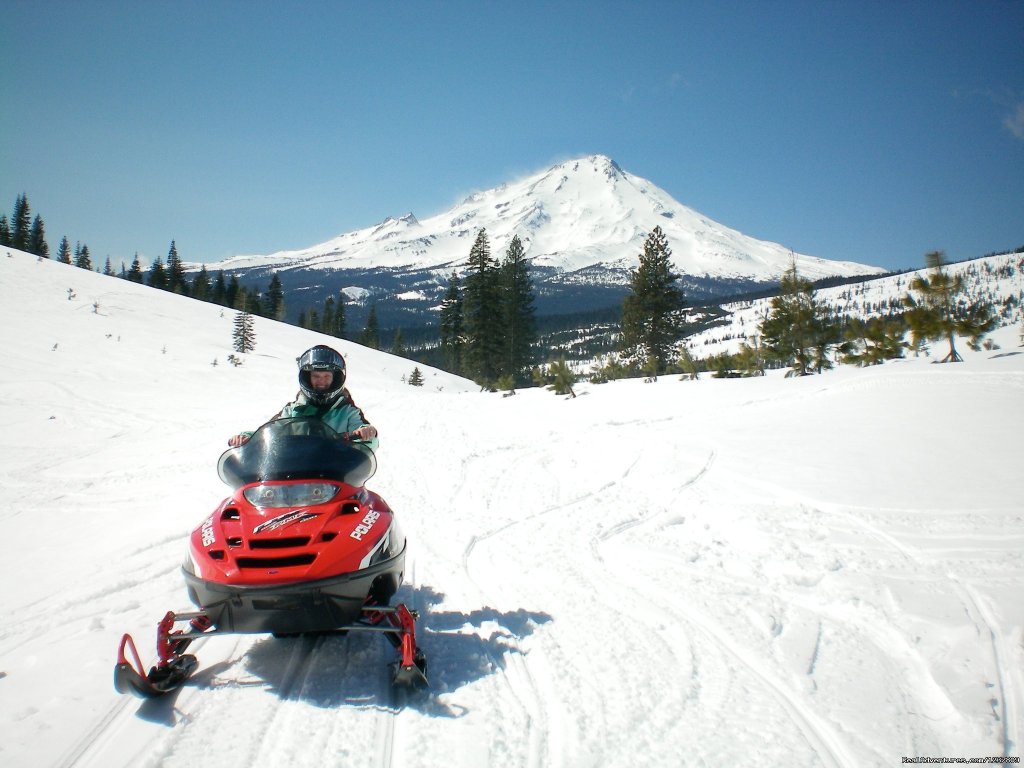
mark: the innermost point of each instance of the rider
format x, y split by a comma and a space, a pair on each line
323, 395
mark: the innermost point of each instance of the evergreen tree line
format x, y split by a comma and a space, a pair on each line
23, 232
18, 232
487, 323
800, 333
329, 319
216, 289
488, 329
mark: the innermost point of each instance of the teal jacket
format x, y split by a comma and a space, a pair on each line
342, 416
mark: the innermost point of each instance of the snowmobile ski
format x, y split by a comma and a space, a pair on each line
163, 678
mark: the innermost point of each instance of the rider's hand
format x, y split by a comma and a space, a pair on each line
365, 433
238, 440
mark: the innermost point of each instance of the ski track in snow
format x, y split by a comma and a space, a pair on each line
734, 572
924, 568
1007, 702
514, 673
1007, 705
104, 743
819, 736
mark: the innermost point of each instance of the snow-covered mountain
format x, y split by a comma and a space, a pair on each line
576, 215
744, 572
581, 222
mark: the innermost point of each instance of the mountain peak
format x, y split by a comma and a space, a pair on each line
392, 227
600, 163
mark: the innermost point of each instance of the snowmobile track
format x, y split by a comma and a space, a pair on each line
1009, 702
818, 733
91, 740
300, 663
91, 747
631, 523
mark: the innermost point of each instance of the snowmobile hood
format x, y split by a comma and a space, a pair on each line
244, 544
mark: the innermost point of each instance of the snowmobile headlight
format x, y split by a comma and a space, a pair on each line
292, 495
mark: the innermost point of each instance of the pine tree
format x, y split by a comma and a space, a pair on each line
176, 282
370, 336
562, 378
201, 285
795, 331
248, 299
273, 303
723, 364
520, 328
5, 231
37, 239
652, 312
135, 274
452, 332
750, 357
107, 269
397, 345
940, 314
220, 291
64, 251
21, 226
873, 341
827, 337
82, 258
327, 320
233, 293
612, 368
158, 275
244, 335
416, 378
481, 314
338, 329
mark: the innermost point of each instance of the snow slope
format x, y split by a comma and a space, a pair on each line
997, 280
574, 215
817, 572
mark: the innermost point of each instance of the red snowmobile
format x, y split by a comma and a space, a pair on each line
300, 546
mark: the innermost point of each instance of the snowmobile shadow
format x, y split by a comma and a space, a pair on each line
163, 710
332, 670
160, 711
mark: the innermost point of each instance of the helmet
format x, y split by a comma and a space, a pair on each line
321, 358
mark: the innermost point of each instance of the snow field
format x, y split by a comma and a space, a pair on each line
818, 572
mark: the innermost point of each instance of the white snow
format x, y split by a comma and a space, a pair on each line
354, 293
411, 296
825, 571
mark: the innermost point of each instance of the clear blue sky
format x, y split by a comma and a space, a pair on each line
869, 131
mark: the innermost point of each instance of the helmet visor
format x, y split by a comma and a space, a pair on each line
321, 359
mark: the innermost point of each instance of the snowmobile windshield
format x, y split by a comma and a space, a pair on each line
297, 449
